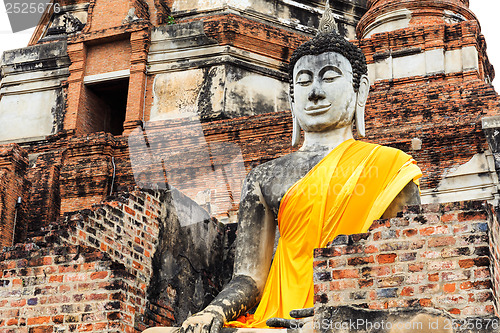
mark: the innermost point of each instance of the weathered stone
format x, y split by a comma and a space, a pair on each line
191, 262
32, 86
345, 319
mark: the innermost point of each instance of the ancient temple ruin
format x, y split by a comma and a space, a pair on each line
127, 128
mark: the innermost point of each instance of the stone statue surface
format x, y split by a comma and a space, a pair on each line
332, 185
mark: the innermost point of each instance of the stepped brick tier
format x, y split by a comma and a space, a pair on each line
116, 267
431, 256
92, 270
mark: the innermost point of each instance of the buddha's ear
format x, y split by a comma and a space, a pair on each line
361, 98
295, 124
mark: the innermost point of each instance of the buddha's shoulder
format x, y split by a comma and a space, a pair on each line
273, 165
381, 149
284, 165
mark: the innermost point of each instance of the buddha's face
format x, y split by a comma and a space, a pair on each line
323, 92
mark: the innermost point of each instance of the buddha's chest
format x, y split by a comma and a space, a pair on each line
283, 177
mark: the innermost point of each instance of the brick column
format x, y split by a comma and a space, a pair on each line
86, 172
139, 44
77, 55
13, 164
44, 199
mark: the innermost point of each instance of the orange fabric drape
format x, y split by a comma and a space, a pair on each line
352, 186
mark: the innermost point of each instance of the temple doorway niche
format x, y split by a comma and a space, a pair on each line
107, 105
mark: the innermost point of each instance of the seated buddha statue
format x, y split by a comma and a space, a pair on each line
332, 185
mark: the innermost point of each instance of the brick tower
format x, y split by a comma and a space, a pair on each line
430, 76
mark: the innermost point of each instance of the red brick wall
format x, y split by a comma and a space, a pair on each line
444, 36
44, 199
89, 272
107, 13
125, 228
162, 11
253, 36
95, 113
86, 173
189, 151
63, 288
432, 256
422, 11
108, 57
86, 169
130, 52
445, 113
142, 9
13, 164
72, 173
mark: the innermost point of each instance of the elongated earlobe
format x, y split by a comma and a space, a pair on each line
295, 126
295, 131
360, 121
361, 97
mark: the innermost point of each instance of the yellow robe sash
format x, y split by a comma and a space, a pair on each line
343, 194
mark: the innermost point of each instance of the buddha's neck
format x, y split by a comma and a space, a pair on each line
326, 141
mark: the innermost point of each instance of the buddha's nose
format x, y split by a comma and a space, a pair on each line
317, 93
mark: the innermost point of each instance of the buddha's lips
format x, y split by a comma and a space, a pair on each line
317, 109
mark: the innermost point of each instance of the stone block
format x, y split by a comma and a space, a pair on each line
434, 61
176, 93
380, 70
32, 87
30, 122
453, 61
411, 65
470, 58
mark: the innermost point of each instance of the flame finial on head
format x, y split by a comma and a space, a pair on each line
327, 23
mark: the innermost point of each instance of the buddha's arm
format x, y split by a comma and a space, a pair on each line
254, 249
408, 196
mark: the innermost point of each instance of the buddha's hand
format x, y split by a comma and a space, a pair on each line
302, 317
206, 321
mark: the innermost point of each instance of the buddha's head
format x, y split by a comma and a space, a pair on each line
328, 85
